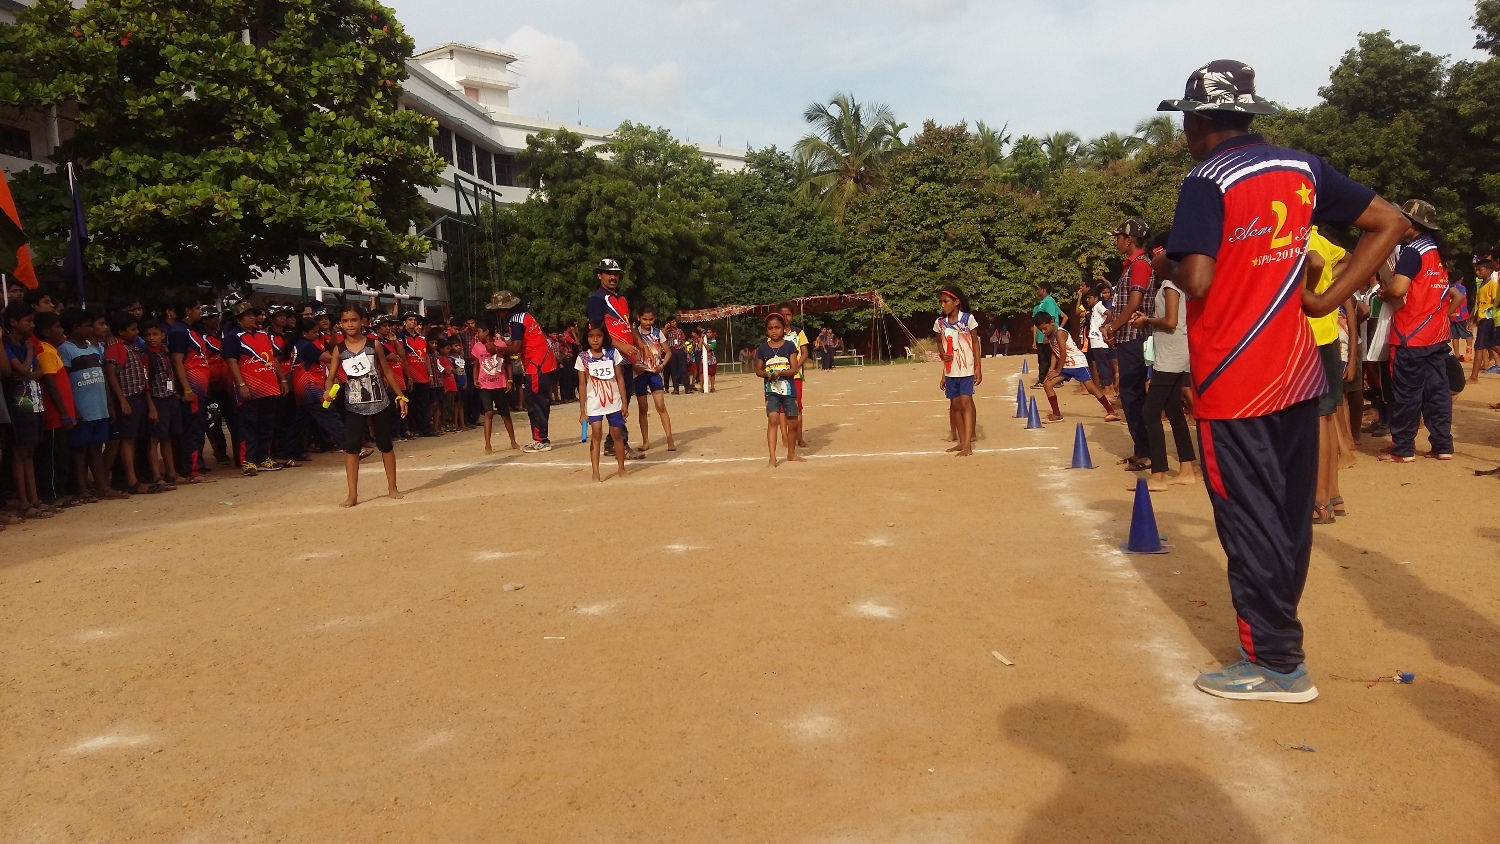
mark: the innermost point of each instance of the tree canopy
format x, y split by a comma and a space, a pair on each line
212, 136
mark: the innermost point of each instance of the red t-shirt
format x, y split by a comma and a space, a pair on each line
415, 347
256, 355
47, 359
1420, 321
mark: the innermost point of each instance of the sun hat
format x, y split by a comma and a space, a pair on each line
1222, 85
504, 300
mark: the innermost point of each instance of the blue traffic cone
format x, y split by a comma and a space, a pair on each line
1033, 419
1025, 366
1144, 538
1020, 400
1081, 459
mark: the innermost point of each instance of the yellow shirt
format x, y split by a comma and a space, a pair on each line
1485, 305
1325, 329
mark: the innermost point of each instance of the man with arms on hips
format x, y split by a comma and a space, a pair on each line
1238, 249
608, 308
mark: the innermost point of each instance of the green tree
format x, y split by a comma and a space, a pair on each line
1111, 148
992, 142
655, 206
784, 248
845, 151
940, 218
1158, 131
211, 136
1063, 150
1027, 166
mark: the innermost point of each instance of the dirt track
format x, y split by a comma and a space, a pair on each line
244, 662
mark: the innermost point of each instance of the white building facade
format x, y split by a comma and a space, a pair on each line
467, 91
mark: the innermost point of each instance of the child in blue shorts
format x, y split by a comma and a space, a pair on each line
962, 370
776, 361
601, 384
1068, 364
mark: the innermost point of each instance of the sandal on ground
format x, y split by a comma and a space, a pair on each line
1136, 464
1054, 417
114, 495
1322, 515
86, 499
36, 511
143, 488
8, 518
158, 487
1391, 458
1337, 506
1113, 417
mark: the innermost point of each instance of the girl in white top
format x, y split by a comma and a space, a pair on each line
601, 386
1170, 377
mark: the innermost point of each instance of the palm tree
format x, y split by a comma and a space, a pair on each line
1108, 149
844, 153
992, 142
1027, 165
1062, 149
1158, 131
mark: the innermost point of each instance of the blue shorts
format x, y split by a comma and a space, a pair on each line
960, 386
1485, 336
1081, 375
616, 419
92, 432
1459, 331
777, 403
647, 383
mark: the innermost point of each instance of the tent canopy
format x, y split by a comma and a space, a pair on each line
805, 305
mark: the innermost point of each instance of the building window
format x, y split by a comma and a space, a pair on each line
15, 142
486, 166
466, 156
505, 169
471, 93
443, 144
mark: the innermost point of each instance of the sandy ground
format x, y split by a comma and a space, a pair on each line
710, 650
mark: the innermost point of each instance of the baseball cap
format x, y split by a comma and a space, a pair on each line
1221, 85
1132, 227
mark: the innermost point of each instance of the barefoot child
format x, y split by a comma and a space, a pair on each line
1068, 364
654, 355
489, 377
601, 383
961, 366
776, 361
368, 383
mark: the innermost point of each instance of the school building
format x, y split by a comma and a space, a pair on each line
467, 91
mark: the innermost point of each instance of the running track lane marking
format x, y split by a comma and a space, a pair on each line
700, 461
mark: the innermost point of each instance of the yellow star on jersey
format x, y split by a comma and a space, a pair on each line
1306, 194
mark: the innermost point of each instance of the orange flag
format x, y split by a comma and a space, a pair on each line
24, 271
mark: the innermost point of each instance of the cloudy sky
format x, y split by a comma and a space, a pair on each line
743, 71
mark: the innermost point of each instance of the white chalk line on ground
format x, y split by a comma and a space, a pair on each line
711, 461
109, 741
1265, 783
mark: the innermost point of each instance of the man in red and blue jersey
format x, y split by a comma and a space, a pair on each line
1238, 248
1420, 337
251, 356
527, 339
608, 308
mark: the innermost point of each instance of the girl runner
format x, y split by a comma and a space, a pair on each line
601, 383
367, 383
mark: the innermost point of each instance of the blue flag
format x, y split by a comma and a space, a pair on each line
73, 266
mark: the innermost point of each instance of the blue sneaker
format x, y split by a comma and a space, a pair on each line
1244, 680
1494, 370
